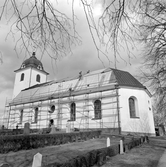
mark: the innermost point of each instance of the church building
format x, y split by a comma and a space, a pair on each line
108, 99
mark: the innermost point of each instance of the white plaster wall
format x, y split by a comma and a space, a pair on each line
29, 79
43, 77
20, 85
145, 122
109, 112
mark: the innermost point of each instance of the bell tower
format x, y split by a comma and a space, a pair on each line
29, 74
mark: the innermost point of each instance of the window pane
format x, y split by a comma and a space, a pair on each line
53, 108
38, 78
36, 115
97, 109
22, 77
21, 116
73, 112
132, 107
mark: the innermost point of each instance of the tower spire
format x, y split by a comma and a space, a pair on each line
33, 54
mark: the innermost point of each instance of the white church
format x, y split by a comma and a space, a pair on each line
108, 99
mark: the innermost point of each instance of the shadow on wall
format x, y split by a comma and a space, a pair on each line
139, 125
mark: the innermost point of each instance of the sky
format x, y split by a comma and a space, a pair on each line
84, 57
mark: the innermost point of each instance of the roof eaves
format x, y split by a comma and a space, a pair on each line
20, 69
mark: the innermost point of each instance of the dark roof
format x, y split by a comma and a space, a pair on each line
36, 86
32, 62
124, 78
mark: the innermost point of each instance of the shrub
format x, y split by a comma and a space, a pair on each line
26, 142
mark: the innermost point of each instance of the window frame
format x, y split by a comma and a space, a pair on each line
73, 111
133, 107
22, 77
21, 116
35, 120
52, 109
38, 78
97, 109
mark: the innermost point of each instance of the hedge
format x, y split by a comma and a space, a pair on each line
26, 142
4, 132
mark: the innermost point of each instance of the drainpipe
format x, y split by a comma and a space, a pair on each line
118, 108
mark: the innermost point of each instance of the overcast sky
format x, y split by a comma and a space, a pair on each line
84, 56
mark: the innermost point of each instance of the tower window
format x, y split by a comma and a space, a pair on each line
38, 78
73, 112
133, 107
97, 109
22, 77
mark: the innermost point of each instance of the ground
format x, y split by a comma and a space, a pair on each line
143, 156
60, 153
146, 155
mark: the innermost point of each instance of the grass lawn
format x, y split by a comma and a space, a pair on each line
146, 155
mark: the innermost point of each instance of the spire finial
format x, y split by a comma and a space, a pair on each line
33, 54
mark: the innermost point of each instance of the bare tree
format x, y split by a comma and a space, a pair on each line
153, 34
42, 25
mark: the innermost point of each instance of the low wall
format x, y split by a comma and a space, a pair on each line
137, 133
98, 156
5, 132
25, 142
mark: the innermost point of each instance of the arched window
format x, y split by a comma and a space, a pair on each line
97, 109
73, 112
36, 115
21, 116
38, 78
22, 77
133, 107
